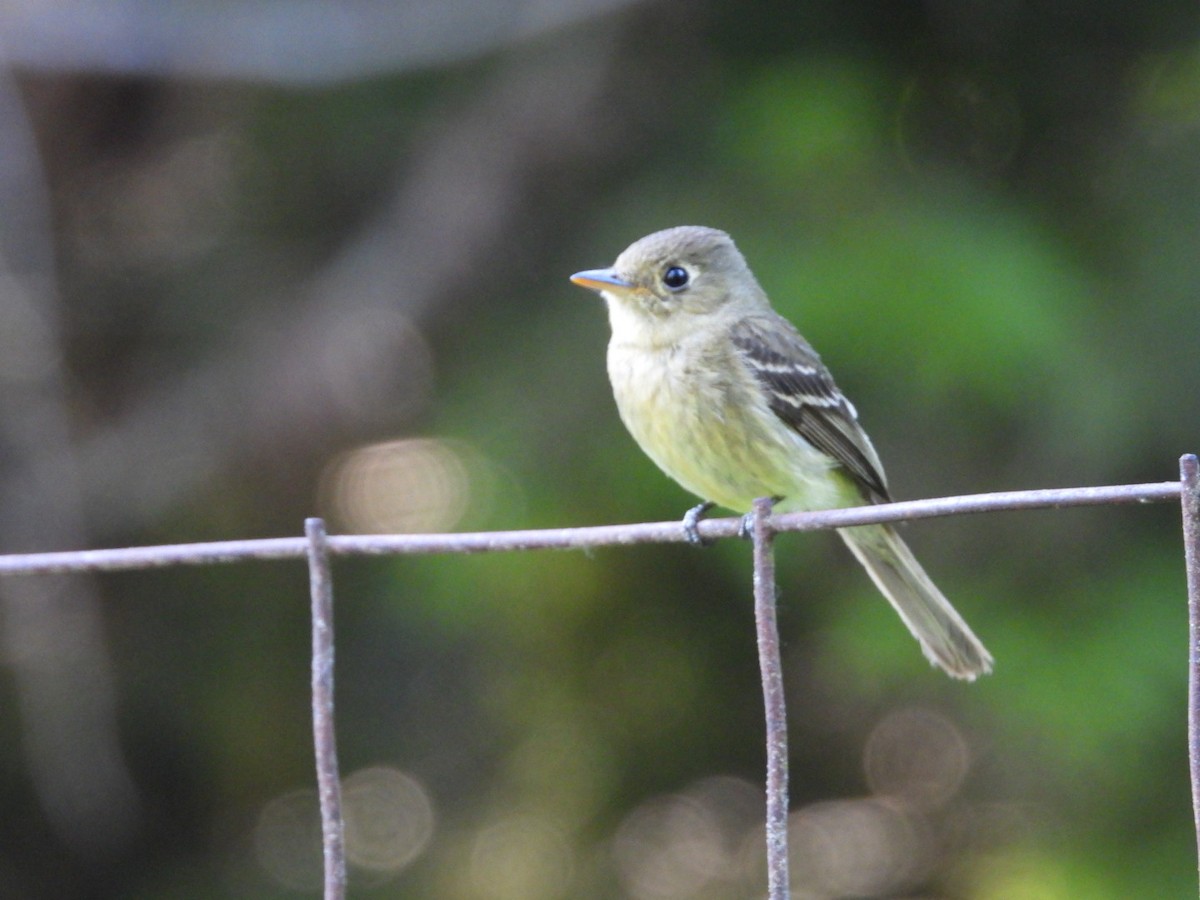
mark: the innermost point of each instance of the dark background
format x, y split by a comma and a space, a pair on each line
262, 261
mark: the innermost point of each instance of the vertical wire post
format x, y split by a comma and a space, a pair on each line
333, 832
1189, 470
773, 699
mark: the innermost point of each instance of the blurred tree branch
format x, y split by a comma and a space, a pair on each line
52, 632
271, 40
351, 345
351, 342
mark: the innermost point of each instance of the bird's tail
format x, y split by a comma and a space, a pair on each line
945, 638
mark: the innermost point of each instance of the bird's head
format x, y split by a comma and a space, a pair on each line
673, 276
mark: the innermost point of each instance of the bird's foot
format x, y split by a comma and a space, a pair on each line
691, 521
746, 528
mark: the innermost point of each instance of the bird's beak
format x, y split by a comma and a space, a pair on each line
602, 280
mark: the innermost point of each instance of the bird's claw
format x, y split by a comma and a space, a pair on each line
746, 527
691, 522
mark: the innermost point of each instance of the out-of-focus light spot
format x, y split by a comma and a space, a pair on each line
667, 847
736, 805
1035, 874
389, 819
855, 848
680, 845
412, 485
287, 840
918, 755
522, 857
915, 762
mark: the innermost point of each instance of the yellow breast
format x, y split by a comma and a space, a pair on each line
704, 420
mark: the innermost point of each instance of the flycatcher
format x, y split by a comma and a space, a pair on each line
729, 400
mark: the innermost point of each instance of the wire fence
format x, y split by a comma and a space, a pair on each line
318, 549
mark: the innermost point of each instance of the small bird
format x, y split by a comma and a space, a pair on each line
727, 398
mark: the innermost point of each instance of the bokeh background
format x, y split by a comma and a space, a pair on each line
263, 260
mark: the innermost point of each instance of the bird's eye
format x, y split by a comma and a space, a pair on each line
675, 277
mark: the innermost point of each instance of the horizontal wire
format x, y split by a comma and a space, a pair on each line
209, 553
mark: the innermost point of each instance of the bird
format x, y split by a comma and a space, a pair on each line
729, 400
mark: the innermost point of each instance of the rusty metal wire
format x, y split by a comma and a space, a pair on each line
318, 548
769, 661
1189, 470
329, 787
219, 552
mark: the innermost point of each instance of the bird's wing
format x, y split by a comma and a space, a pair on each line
802, 393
